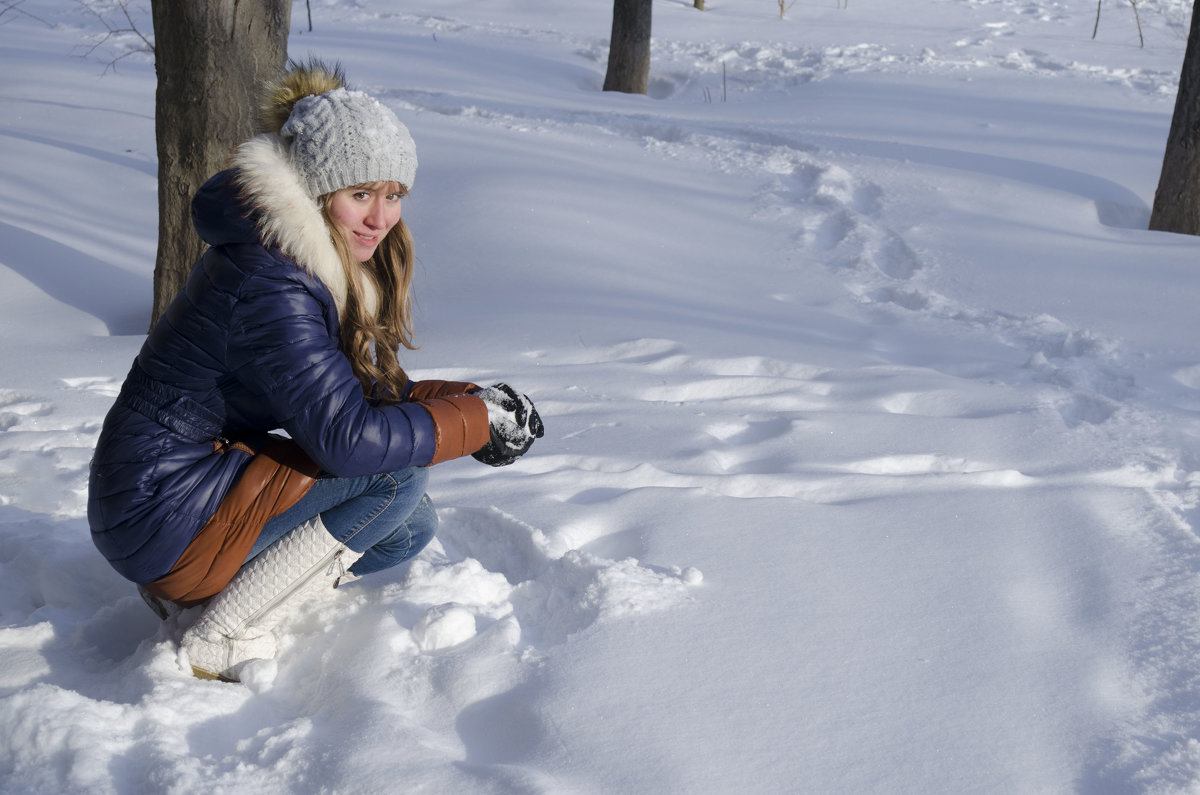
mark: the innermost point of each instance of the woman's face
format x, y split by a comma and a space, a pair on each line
364, 214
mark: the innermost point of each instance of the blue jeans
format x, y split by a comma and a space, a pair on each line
389, 517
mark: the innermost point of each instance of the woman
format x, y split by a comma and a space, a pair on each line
291, 320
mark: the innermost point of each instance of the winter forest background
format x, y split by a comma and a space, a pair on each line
873, 412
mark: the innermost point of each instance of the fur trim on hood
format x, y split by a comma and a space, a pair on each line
289, 219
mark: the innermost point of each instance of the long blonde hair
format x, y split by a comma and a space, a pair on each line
372, 343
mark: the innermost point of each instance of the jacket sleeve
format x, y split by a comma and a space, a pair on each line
460, 431
283, 348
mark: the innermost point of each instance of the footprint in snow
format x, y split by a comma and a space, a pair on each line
44, 455
101, 385
16, 407
489, 571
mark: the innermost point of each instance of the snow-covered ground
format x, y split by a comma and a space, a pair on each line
873, 413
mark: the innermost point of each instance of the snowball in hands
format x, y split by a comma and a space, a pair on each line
514, 423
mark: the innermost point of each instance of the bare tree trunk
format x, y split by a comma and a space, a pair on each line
699, 4
212, 57
1177, 200
629, 48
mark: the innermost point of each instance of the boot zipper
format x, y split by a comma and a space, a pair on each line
327, 562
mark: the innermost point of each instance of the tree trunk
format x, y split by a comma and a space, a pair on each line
212, 58
1177, 200
698, 4
629, 48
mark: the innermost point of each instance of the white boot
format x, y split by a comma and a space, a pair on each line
236, 626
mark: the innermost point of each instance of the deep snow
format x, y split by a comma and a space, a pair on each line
872, 413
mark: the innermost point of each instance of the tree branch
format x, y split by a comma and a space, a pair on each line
113, 31
13, 5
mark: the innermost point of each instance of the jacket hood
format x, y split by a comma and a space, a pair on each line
219, 215
261, 199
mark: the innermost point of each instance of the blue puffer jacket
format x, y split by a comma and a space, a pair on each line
250, 345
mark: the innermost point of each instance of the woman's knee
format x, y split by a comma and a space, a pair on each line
423, 523
403, 543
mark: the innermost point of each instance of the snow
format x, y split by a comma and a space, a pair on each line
872, 413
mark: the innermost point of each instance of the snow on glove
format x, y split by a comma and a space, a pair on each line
514, 423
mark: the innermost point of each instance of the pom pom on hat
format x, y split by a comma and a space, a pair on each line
342, 138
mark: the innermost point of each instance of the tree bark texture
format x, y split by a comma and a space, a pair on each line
1177, 199
629, 47
212, 58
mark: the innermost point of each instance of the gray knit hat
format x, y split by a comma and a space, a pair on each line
343, 138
